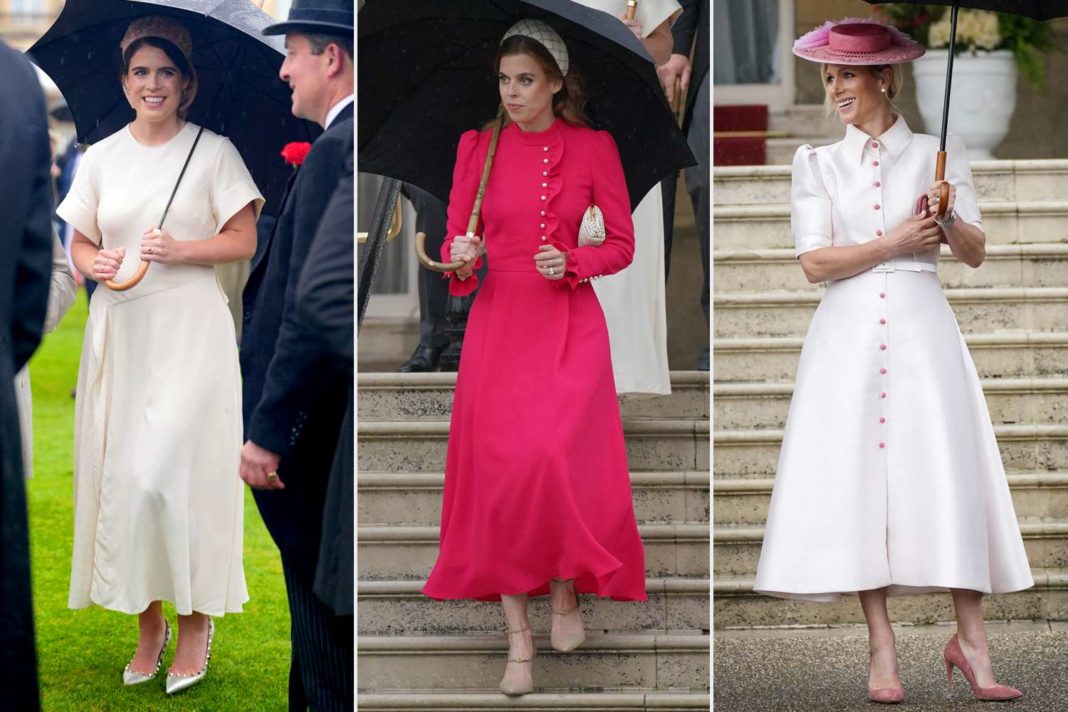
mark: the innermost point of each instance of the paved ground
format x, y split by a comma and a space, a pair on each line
826, 669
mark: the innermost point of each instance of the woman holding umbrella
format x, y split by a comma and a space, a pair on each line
537, 493
890, 481
158, 504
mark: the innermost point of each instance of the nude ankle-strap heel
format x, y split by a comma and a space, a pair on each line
513, 687
566, 642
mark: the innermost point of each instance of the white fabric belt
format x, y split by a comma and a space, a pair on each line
904, 265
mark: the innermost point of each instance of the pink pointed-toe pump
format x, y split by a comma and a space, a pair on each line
955, 656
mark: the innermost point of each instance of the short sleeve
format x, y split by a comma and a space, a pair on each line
810, 204
959, 174
232, 187
653, 13
79, 208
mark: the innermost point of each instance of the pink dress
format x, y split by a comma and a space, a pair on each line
536, 478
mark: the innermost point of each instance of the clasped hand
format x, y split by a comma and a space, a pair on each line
466, 249
159, 246
920, 232
933, 196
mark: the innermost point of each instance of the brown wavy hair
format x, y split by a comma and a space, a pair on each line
570, 102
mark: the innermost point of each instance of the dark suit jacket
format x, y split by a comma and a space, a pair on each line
692, 24
295, 395
25, 266
325, 300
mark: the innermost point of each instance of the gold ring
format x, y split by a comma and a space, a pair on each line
272, 476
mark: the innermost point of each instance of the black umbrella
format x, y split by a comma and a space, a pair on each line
426, 76
239, 95
1035, 9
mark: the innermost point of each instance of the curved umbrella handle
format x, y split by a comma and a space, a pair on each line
433, 265
142, 269
940, 175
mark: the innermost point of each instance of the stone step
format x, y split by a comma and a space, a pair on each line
736, 550
398, 608
1024, 448
605, 662
415, 497
781, 313
1009, 354
1034, 180
1029, 265
428, 396
409, 552
739, 227
1041, 401
419, 446
1035, 496
736, 606
640, 701
805, 120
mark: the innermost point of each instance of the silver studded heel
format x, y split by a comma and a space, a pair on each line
177, 683
129, 677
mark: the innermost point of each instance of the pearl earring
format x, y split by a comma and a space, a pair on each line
883, 90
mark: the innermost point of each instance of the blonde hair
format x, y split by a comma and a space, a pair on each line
897, 82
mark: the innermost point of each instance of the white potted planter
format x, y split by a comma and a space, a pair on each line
982, 101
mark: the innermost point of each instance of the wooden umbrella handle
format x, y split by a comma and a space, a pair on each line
943, 188
632, 8
142, 269
433, 265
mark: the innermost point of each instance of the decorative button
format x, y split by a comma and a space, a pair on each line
543, 213
545, 160
545, 173
876, 206
882, 347
544, 185
875, 163
883, 394
543, 238
878, 184
882, 295
882, 371
542, 226
882, 321
875, 144
543, 197
882, 420
878, 233
882, 445
545, 148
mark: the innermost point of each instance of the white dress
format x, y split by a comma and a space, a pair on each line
633, 299
157, 430
889, 473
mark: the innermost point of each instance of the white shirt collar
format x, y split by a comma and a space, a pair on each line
895, 139
336, 109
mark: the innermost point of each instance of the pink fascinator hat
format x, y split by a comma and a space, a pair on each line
857, 41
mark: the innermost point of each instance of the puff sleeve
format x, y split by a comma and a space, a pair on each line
959, 174
80, 206
465, 177
611, 196
232, 187
810, 204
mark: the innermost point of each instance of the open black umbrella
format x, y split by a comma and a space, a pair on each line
239, 96
1035, 9
426, 76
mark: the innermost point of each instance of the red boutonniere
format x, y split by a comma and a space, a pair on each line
296, 152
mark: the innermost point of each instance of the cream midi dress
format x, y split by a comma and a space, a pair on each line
157, 430
633, 299
889, 473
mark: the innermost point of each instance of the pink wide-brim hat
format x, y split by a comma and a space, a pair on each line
857, 41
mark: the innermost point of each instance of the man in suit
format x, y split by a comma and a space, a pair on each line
25, 267
295, 395
691, 31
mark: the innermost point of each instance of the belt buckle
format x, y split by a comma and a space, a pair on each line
887, 266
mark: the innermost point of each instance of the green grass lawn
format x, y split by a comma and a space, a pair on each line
81, 654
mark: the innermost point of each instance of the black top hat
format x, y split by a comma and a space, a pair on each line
332, 17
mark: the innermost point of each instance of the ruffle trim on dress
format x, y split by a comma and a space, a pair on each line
462, 287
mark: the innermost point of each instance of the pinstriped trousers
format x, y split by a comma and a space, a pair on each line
321, 669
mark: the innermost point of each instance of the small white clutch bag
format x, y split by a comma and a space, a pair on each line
591, 230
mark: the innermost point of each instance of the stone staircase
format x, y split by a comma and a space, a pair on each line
1013, 314
418, 654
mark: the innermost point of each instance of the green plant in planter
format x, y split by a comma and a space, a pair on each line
977, 30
